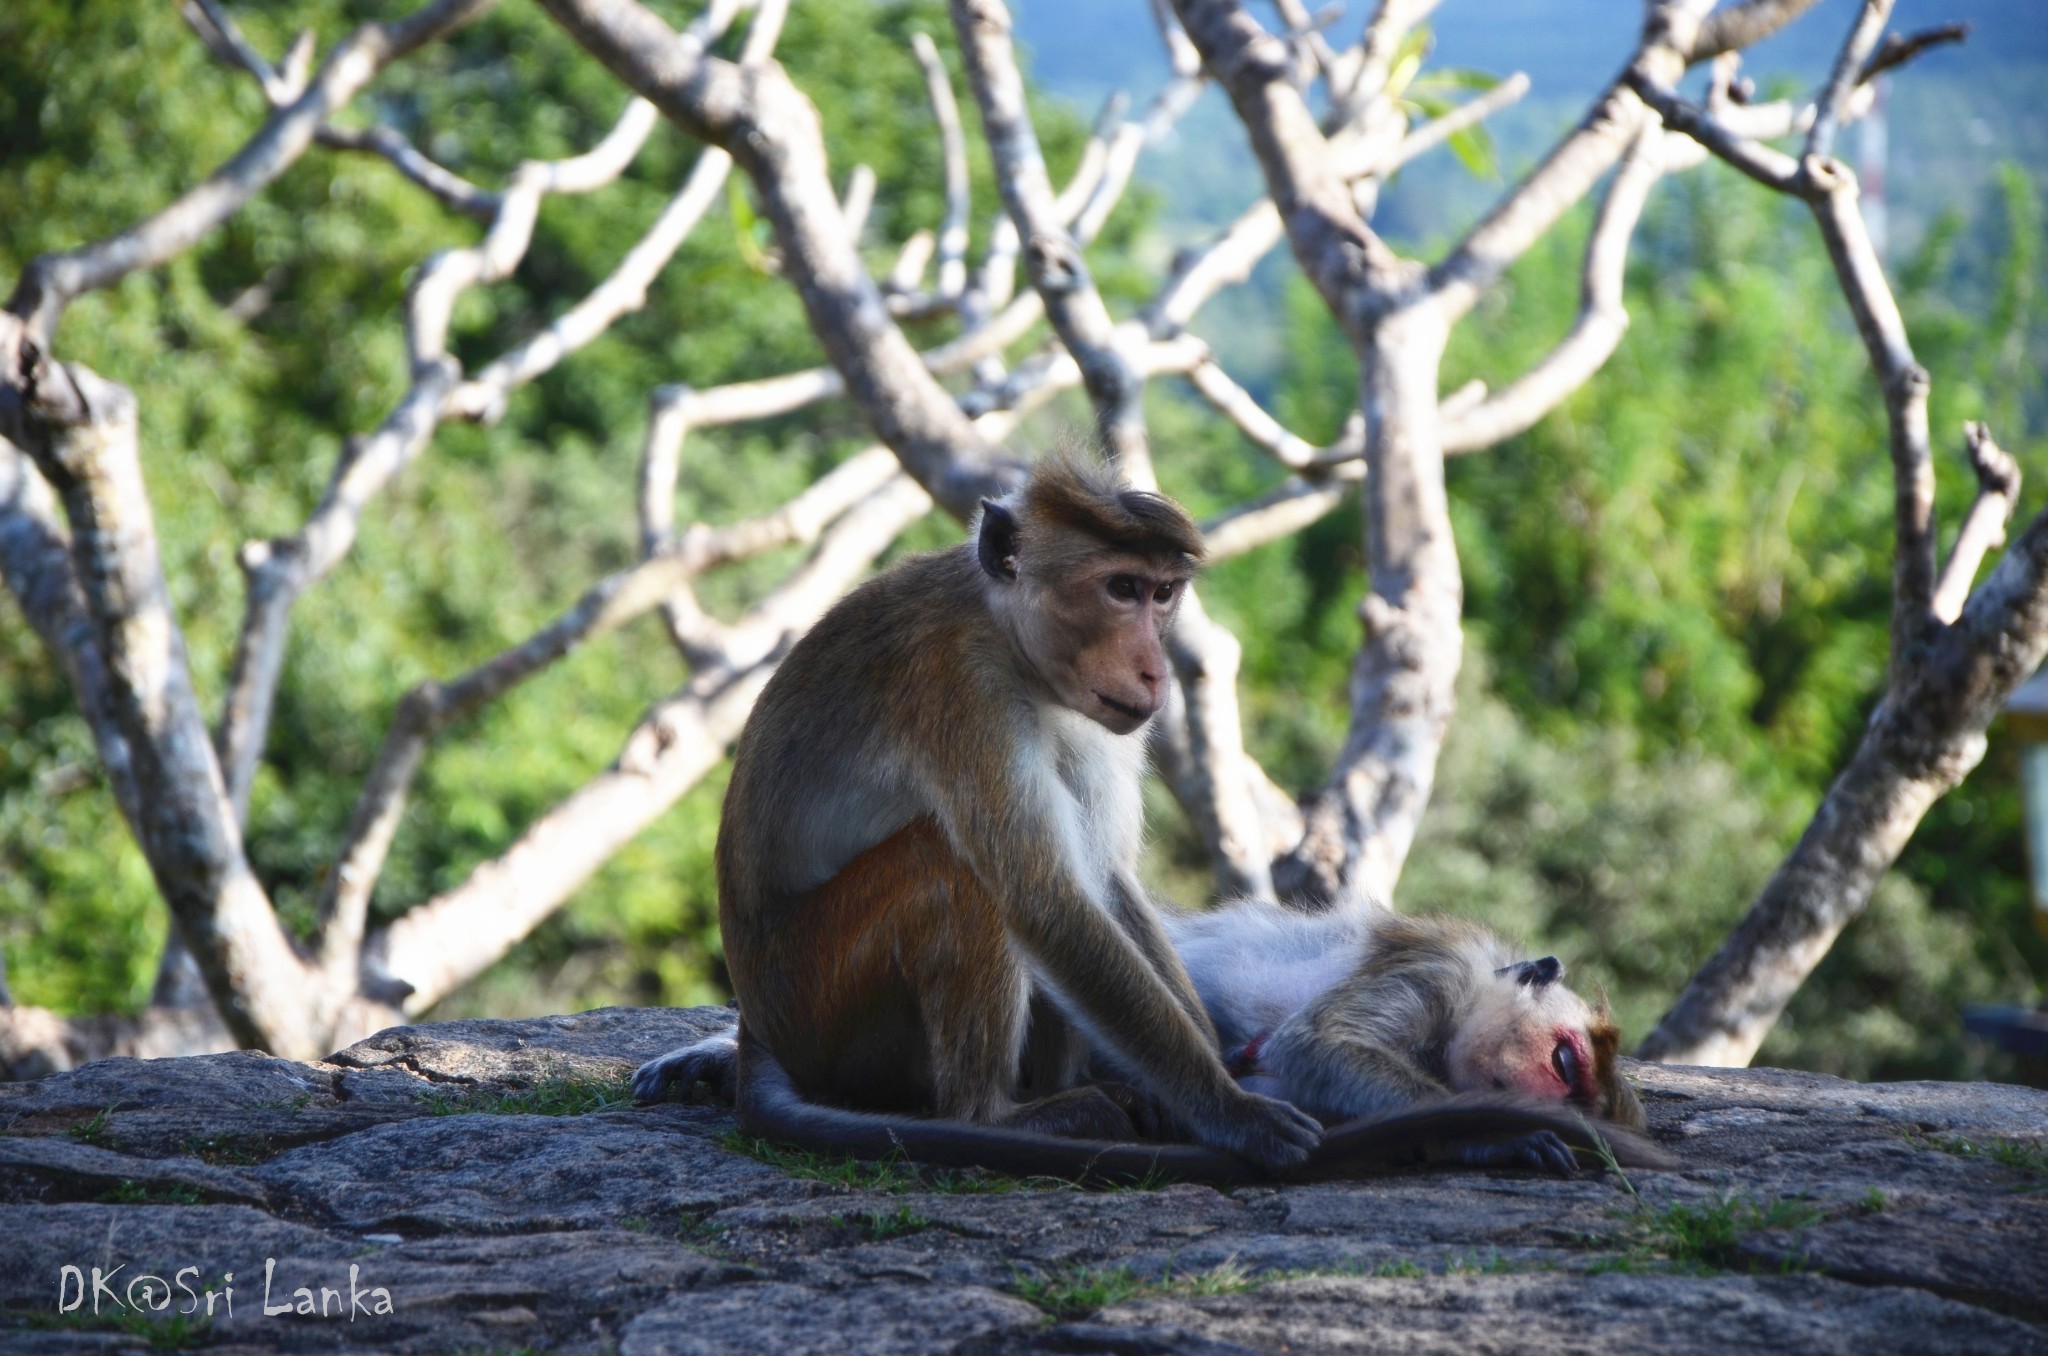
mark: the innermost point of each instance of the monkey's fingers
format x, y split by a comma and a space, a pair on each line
711, 1060
1275, 1135
651, 1080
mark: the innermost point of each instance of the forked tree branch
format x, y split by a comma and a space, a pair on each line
1831, 109
759, 117
624, 291
952, 238
1829, 188
1983, 529
443, 943
1956, 655
284, 84
1601, 322
1898, 49
1397, 317
609, 604
279, 571
1052, 258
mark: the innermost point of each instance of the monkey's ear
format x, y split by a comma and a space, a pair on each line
1537, 972
997, 548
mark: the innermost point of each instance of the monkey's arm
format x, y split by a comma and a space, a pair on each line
1474, 1130
1351, 1055
1349, 1052
1148, 932
1107, 984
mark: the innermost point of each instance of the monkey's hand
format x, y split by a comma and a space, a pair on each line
1538, 1151
1271, 1133
712, 1060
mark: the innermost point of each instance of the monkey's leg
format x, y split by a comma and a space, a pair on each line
1055, 1050
980, 1017
1062, 1100
917, 930
900, 992
1087, 1112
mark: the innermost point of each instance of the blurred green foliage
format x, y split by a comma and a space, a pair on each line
1677, 585
107, 111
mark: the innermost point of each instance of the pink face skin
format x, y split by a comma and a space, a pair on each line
1552, 1066
1521, 1046
1130, 687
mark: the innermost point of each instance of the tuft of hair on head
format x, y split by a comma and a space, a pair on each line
1079, 491
1622, 1106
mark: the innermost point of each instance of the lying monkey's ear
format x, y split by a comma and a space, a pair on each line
1537, 972
998, 545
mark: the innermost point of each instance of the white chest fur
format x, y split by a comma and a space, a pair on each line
1090, 780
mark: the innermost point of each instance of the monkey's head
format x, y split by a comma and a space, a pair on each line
1531, 1035
1086, 575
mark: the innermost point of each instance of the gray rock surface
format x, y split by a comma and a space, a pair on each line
488, 1178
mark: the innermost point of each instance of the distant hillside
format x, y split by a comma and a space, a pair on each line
1955, 115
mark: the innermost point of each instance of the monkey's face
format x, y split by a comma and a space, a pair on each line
1096, 635
1086, 605
1093, 630
1530, 1035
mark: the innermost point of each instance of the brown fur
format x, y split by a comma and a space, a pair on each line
1618, 1101
1071, 495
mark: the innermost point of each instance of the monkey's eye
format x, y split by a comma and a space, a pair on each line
1124, 587
1163, 594
1565, 1059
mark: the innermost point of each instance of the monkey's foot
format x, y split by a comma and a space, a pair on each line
1539, 1151
1078, 1113
1152, 1118
712, 1061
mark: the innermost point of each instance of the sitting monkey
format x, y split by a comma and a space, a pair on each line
926, 862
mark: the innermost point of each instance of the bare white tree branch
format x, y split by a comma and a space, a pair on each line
1983, 529
953, 143
1601, 322
52, 281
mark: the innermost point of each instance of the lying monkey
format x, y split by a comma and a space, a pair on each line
1361, 1012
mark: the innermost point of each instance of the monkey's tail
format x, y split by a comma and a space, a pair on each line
770, 1105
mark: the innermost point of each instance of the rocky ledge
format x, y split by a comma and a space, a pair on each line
484, 1186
